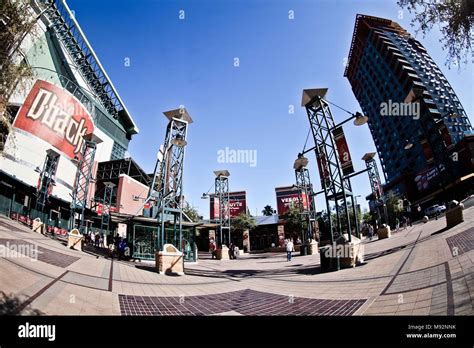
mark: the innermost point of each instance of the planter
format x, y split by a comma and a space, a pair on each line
75, 239
454, 216
169, 261
384, 232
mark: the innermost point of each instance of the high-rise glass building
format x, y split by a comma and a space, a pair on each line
387, 68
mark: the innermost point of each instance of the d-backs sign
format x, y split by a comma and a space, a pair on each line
54, 115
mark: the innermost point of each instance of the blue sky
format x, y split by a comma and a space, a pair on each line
190, 62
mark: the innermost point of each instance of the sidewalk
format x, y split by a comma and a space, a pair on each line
423, 270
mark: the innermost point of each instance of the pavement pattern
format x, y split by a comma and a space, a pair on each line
425, 269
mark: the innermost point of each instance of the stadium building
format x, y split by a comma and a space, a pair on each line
69, 100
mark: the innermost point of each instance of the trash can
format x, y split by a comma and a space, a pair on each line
303, 250
328, 263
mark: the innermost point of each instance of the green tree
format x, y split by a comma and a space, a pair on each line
455, 18
294, 221
243, 222
16, 22
394, 208
191, 212
367, 216
268, 210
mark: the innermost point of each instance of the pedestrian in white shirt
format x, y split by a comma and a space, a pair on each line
289, 249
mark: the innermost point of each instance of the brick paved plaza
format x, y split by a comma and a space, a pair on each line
423, 270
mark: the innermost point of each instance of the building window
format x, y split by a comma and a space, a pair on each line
118, 151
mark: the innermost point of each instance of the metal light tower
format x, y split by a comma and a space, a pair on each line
305, 191
167, 184
46, 180
336, 187
222, 194
83, 180
106, 204
375, 184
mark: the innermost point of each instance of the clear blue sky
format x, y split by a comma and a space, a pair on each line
191, 62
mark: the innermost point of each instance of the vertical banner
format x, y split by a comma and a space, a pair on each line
343, 151
427, 150
443, 130
323, 166
378, 189
214, 208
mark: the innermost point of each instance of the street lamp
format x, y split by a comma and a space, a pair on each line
408, 145
301, 162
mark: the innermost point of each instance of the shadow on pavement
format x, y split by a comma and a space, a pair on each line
13, 305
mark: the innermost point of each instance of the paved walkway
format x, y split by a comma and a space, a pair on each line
423, 270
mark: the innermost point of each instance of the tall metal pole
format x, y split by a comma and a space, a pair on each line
222, 194
375, 185
83, 180
167, 183
305, 191
106, 204
46, 181
336, 187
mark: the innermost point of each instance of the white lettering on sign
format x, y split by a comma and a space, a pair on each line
290, 199
58, 117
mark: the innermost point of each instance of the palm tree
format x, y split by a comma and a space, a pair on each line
268, 210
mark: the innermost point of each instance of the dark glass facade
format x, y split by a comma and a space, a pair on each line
385, 67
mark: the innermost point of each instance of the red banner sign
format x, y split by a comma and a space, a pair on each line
287, 198
54, 115
237, 204
427, 150
343, 151
323, 167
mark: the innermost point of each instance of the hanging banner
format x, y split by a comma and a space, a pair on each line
445, 135
54, 115
377, 188
343, 151
323, 167
427, 150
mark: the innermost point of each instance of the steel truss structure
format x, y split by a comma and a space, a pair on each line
62, 22
376, 186
166, 188
106, 204
305, 188
46, 179
111, 170
336, 187
222, 194
83, 180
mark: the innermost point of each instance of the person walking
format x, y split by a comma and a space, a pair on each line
212, 249
289, 249
371, 231
231, 251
